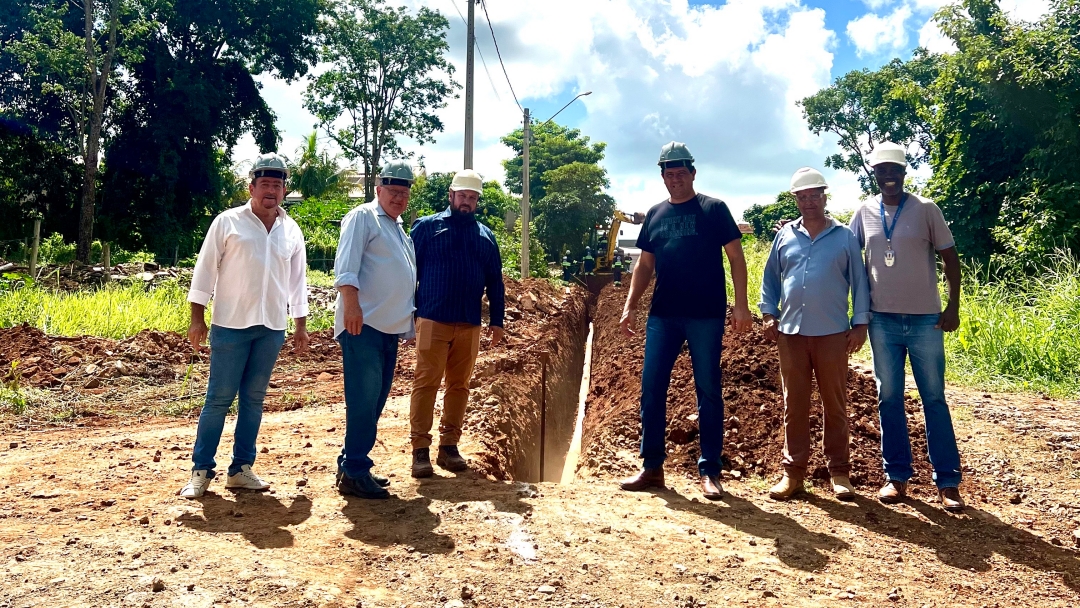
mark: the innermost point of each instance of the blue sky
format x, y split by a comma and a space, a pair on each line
723, 77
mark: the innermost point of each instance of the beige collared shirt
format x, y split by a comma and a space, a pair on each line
255, 277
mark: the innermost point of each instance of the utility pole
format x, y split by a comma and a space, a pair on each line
525, 198
469, 73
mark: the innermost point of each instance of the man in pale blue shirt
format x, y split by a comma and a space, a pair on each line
814, 263
375, 272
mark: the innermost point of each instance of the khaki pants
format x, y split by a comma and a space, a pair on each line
823, 357
442, 349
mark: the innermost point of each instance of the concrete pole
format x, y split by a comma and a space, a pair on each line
525, 197
469, 73
34, 249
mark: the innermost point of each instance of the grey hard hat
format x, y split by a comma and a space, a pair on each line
398, 171
269, 165
675, 154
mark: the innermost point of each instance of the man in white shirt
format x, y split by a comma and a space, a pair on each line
253, 264
375, 272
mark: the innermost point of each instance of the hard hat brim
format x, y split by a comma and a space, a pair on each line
469, 188
808, 187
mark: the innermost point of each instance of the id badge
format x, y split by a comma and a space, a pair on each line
890, 257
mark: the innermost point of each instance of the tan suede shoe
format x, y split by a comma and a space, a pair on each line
789, 486
842, 488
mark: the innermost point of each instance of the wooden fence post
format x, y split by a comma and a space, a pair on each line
34, 248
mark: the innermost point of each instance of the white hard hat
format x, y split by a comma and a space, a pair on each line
467, 179
888, 152
807, 178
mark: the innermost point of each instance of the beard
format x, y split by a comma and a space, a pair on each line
459, 213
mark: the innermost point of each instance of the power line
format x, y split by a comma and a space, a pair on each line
499, 53
477, 45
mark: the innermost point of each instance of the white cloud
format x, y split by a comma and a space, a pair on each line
1025, 10
724, 79
931, 39
873, 34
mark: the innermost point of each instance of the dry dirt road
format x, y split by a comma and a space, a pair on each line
90, 517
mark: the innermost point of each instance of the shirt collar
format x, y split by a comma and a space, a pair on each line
280, 212
380, 211
829, 226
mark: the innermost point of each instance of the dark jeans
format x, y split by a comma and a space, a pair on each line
241, 361
664, 339
893, 338
368, 360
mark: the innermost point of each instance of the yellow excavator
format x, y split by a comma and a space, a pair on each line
605, 254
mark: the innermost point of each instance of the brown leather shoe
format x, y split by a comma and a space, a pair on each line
711, 488
450, 459
951, 499
421, 463
893, 492
647, 478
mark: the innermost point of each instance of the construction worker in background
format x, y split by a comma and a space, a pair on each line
602, 246
814, 263
567, 272
900, 233
617, 268
457, 261
254, 266
375, 275
588, 262
683, 240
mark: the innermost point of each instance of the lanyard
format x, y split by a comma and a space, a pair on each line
885, 224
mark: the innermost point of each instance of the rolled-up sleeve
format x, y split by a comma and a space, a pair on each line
860, 284
298, 292
205, 275
771, 281
350, 251
496, 290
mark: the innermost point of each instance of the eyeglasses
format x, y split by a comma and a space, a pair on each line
396, 192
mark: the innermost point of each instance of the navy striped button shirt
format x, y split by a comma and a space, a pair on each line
456, 260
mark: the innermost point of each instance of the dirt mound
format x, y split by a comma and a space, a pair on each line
753, 402
32, 357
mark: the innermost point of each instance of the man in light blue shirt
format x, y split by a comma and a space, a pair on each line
375, 271
814, 263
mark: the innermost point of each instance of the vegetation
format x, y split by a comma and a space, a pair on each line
996, 120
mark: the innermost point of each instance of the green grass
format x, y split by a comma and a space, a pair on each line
318, 278
115, 311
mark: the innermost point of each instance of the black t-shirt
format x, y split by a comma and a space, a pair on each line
688, 241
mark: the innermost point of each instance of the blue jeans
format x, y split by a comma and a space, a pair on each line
368, 360
664, 339
241, 361
893, 337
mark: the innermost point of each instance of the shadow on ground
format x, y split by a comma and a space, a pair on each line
965, 541
796, 546
259, 517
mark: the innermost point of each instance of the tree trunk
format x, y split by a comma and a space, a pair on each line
89, 194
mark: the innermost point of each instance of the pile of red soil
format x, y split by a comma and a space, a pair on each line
753, 407
36, 359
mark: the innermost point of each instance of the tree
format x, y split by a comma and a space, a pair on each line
866, 107
73, 68
573, 207
384, 82
762, 218
315, 173
189, 95
552, 146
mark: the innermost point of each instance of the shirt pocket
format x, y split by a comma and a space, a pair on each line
282, 246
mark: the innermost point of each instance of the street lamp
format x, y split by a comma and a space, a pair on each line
527, 131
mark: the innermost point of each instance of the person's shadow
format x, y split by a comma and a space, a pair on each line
259, 517
396, 521
965, 541
796, 546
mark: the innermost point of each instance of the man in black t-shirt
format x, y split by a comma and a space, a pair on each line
683, 240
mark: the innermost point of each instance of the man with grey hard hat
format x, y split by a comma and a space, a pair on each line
684, 240
902, 235
457, 261
375, 275
814, 263
254, 266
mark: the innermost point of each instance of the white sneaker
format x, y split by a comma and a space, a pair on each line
196, 487
246, 480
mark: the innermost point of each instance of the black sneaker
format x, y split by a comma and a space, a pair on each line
450, 459
379, 479
421, 463
364, 487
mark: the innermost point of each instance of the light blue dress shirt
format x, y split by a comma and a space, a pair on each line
375, 256
807, 281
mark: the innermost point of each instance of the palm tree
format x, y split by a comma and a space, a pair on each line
315, 174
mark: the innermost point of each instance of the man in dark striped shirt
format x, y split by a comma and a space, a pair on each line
457, 259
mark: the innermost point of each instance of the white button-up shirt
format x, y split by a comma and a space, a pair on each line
376, 257
255, 277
